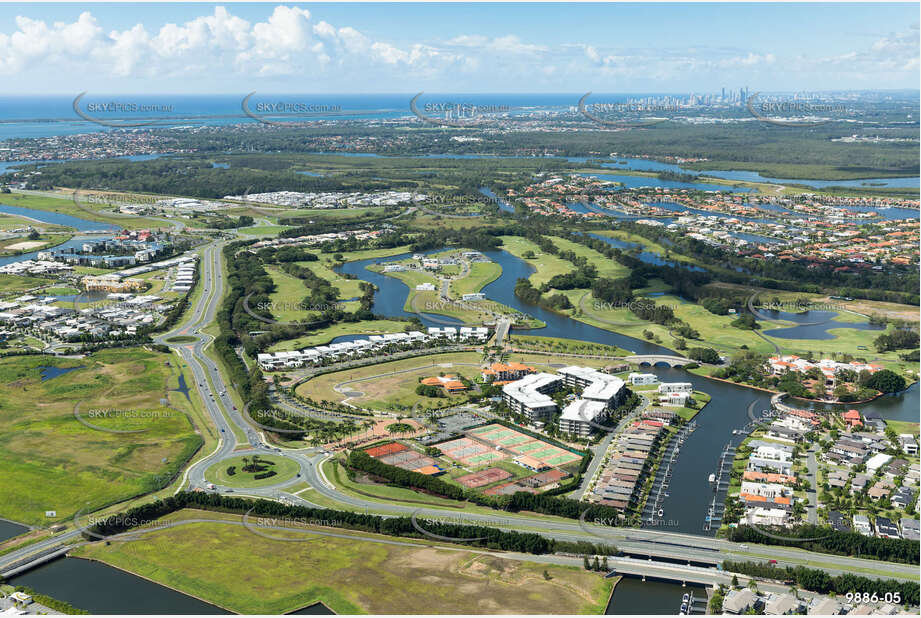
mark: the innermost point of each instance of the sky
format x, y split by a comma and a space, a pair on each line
232, 48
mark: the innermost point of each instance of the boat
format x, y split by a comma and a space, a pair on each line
712, 478
661, 512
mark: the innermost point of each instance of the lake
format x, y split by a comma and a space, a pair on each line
813, 324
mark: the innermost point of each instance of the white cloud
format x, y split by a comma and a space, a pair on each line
220, 47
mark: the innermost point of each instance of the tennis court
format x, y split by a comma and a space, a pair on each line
484, 477
386, 449
514, 442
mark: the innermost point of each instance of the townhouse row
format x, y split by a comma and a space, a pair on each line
360, 348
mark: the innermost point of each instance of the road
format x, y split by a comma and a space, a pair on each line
811, 508
221, 409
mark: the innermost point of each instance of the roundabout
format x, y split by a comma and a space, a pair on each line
285, 469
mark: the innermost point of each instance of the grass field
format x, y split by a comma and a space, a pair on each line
392, 385
564, 346
18, 283
903, 427
606, 266
49, 461
481, 273
548, 266
287, 297
348, 575
325, 335
283, 467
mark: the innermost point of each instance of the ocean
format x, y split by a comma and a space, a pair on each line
53, 115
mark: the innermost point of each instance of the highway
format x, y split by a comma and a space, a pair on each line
662, 544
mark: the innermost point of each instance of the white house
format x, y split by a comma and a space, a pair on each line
642, 379
676, 387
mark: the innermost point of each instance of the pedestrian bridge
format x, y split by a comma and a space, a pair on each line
654, 359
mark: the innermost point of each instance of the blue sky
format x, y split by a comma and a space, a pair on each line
375, 47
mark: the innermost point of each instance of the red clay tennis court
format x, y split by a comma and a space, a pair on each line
483, 477
385, 449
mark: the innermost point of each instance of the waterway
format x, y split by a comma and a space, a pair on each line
9, 529
57, 218
647, 165
812, 325
101, 589
633, 596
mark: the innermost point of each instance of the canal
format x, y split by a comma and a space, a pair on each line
101, 589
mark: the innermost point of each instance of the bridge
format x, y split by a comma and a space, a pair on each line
654, 359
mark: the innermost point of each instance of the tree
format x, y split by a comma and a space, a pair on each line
716, 603
886, 381
704, 355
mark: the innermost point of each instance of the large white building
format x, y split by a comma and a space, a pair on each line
578, 416
596, 386
529, 396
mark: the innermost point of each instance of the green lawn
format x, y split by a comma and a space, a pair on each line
50, 461
231, 566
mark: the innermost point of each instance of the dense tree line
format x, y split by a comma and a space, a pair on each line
477, 535
820, 581
830, 541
